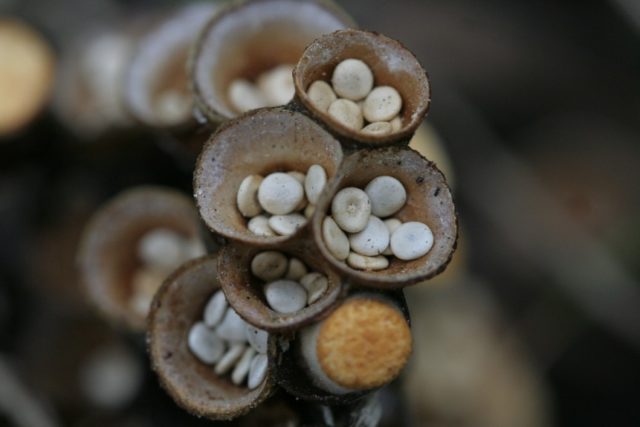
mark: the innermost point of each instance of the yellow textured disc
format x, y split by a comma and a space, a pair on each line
363, 344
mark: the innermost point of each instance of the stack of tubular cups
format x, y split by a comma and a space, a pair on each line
241, 40
293, 138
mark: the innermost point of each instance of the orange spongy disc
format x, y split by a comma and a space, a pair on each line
364, 344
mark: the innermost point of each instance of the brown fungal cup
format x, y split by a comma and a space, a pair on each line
429, 201
88, 94
392, 65
250, 38
245, 292
364, 342
107, 255
156, 87
260, 142
191, 383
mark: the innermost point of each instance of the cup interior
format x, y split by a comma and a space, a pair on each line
194, 385
392, 65
251, 38
429, 201
260, 142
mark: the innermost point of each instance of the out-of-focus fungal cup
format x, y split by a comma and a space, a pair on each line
26, 75
248, 43
131, 245
395, 71
248, 294
427, 213
193, 384
270, 142
361, 345
156, 87
89, 83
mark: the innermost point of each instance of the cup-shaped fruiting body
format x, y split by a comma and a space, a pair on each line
194, 385
246, 293
391, 66
428, 201
361, 345
250, 38
156, 88
90, 81
26, 75
258, 143
109, 255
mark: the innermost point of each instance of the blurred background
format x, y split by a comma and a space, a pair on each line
535, 116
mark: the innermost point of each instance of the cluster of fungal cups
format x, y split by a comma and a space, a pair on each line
231, 345
315, 209
285, 196
277, 305
352, 100
356, 233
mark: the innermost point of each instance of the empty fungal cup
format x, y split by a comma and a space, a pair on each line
137, 226
194, 385
428, 201
391, 64
247, 293
361, 345
251, 38
258, 143
156, 87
